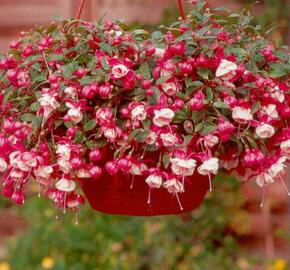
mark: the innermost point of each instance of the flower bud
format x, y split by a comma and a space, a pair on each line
95, 154
111, 167
124, 164
71, 132
18, 197
95, 171
76, 163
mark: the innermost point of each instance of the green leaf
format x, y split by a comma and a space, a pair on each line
181, 95
203, 73
87, 80
8, 94
134, 133
209, 93
208, 128
196, 117
189, 82
141, 136
252, 142
199, 127
55, 57
69, 69
27, 117
256, 107
157, 36
37, 121
90, 125
79, 138
140, 32
220, 104
162, 80
90, 144
181, 115
277, 73
106, 47
34, 106
144, 70
187, 139
104, 64
40, 78
204, 30
100, 143
165, 160
185, 36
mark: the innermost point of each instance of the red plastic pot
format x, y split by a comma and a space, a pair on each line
113, 195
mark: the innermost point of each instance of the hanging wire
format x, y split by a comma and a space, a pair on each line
180, 7
80, 9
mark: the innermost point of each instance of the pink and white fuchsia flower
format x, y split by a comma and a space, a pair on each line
285, 148
169, 88
104, 116
172, 185
139, 112
154, 181
183, 167
74, 113
65, 185
271, 111
241, 114
163, 117
265, 131
43, 175
112, 133
168, 139
119, 71
208, 167
63, 152
48, 103
3, 165
225, 68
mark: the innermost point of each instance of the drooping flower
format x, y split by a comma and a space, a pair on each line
119, 71
74, 113
48, 102
183, 167
154, 181
169, 88
43, 174
209, 166
241, 114
173, 186
225, 68
285, 148
3, 165
139, 112
265, 131
112, 132
65, 185
104, 116
163, 117
168, 139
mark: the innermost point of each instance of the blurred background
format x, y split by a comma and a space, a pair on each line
229, 230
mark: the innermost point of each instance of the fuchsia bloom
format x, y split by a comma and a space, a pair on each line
162, 108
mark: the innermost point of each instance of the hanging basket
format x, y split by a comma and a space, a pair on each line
114, 195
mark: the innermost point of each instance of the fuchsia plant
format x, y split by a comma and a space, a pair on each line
207, 93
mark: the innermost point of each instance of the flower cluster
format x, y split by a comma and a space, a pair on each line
81, 99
